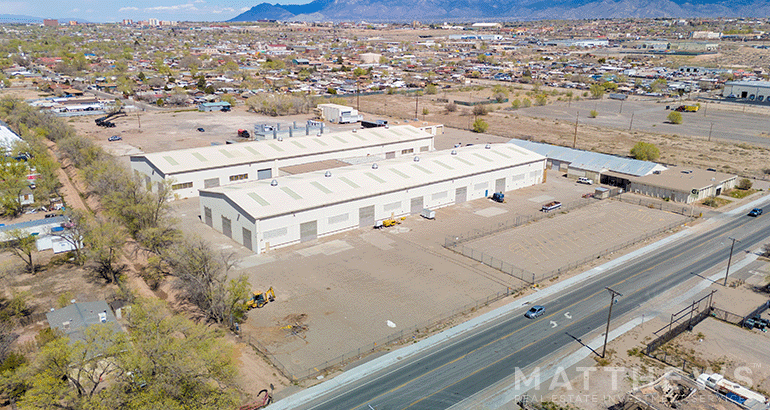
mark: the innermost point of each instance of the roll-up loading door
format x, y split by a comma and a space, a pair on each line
227, 227
265, 173
416, 206
247, 239
461, 195
308, 231
366, 216
500, 185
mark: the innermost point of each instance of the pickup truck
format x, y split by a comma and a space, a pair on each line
551, 206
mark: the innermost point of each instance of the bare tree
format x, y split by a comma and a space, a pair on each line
21, 244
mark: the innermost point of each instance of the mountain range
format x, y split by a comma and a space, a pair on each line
500, 10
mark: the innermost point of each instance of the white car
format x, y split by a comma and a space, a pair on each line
584, 180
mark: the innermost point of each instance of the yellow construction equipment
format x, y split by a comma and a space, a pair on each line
259, 299
390, 222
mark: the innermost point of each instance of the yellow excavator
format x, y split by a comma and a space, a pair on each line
259, 299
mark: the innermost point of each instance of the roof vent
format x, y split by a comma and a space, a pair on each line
387, 126
375, 166
274, 183
416, 159
454, 152
280, 138
488, 146
355, 130
318, 135
328, 174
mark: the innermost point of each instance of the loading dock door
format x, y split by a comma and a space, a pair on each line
265, 173
308, 231
247, 238
416, 207
227, 228
366, 216
207, 216
555, 165
500, 185
461, 195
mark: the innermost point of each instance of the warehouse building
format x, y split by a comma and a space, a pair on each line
747, 90
262, 215
608, 169
685, 185
213, 166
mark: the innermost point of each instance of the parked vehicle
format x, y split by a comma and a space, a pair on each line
243, 134
498, 197
535, 311
584, 180
114, 138
551, 206
428, 214
200, 129
688, 108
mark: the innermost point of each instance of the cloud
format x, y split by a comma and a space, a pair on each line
199, 1
75, 10
244, 9
178, 7
128, 9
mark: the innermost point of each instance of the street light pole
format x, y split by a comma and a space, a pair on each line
730, 259
607, 332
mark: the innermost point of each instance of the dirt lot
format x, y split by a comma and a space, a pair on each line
686, 144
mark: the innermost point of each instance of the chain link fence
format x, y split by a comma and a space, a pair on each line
677, 208
453, 240
407, 335
532, 277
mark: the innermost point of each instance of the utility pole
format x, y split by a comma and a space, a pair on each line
416, 103
632, 122
730, 259
621, 107
711, 128
358, 95
607, 333
574, 140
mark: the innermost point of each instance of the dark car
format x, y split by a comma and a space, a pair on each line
114, 138
755, 212
201, 129
535, 311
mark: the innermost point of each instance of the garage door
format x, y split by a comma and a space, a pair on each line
247, 238
308, 231
207, 216
555, 165
416, 207
366, 217
461, 195
500, 185
265, 173
211, 183
227, 227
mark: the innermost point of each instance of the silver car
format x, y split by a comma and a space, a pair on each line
535, 311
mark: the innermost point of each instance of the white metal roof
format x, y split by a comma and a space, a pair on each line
186, 160
7, 137
295, 193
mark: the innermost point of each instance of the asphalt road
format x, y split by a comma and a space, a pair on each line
453, 371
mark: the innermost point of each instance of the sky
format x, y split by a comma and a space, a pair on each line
116, 11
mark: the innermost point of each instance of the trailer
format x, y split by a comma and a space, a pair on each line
340, 114
551, 206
